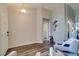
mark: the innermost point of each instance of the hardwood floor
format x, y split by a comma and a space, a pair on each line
29, 50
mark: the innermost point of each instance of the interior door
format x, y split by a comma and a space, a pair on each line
3, 29
45, 29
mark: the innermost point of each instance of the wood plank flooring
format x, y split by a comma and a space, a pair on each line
29, 50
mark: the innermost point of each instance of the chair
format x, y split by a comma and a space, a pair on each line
69, 47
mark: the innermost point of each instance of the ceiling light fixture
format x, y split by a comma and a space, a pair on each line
23, 10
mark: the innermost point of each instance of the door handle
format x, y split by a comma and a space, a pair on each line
7, 33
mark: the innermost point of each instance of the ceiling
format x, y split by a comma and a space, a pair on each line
49, 6
75, 6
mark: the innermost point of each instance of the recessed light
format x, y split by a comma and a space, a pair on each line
23, 10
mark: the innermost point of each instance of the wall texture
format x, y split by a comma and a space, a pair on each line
42, 13
22, 27
26, 28
58, 14
3, 29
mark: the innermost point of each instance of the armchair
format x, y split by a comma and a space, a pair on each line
69, 47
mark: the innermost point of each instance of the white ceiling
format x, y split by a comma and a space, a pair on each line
49, 6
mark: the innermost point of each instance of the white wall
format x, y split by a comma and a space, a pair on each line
26, 28
3, 29
42, 13
58, 14
46, 14
22, 27
39, 24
